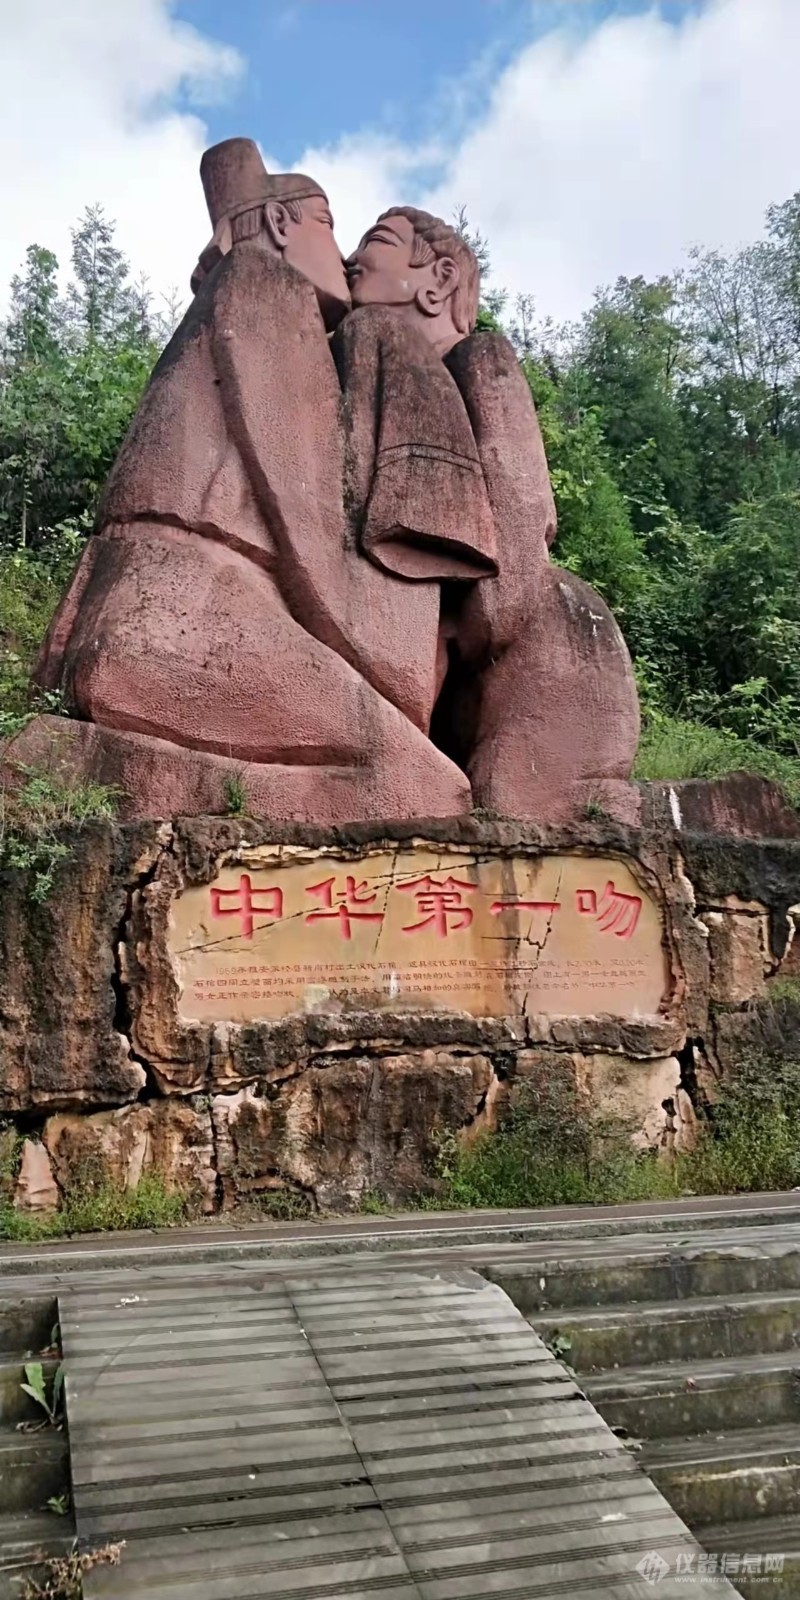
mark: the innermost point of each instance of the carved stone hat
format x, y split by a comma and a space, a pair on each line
234, 180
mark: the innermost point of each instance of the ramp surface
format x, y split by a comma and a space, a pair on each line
354, 1431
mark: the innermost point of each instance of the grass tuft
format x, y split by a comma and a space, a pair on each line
99, 1209
552, 1150
35, 812
672, 748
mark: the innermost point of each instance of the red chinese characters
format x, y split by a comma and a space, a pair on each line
499, 906
246, 904
344, 904
614, 911
440, 904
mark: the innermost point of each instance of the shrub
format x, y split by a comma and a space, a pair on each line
673, 748
30, 588
99, 1208
752, 1140
553, 1149
34, 813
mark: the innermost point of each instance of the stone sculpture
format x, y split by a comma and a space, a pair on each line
321, 559
538, 703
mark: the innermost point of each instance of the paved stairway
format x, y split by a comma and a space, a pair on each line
693, 1355
33, 1465
363, 1430
469, 1462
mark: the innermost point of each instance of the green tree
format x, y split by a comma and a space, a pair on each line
71, 377
30, 394
632, 352
35, 318
596, 538
102, 304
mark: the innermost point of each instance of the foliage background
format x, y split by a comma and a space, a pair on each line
671, 417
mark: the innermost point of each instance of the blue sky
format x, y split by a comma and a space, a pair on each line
318, 69
587, 138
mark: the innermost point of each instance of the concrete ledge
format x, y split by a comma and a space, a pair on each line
561, 1226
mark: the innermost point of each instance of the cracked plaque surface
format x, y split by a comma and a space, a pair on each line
420, 928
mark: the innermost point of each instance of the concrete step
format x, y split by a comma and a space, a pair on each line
15, 1405
478, 1234
676, 1330
27, 1539
635, 1272
33, 1468
733, 1477
26, 1322
686, 1397
760, 1557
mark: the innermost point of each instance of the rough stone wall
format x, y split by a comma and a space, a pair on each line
100, 1073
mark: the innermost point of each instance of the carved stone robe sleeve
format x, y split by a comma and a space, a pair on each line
280, 398
417, 491
506, 430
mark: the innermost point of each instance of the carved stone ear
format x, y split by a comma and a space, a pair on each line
430, 301
276, 217
447, 276
433, 299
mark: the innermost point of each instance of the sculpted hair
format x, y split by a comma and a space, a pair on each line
434, 239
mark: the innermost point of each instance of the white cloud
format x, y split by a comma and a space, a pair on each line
87, 114
612, 151
599, 151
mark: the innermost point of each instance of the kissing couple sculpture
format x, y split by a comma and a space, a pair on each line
322, 553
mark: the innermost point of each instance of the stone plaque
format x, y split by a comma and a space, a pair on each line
417, 928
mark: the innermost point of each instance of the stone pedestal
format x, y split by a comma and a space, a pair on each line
245, 1007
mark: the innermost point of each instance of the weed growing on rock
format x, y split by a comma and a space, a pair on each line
674, 748
552, 1150
561, 1345
752, 1140
374, 1204
99, 1208
783, 988
11, 1142
35, 1385
286, 1205
235, 794
62, 1577
35, 813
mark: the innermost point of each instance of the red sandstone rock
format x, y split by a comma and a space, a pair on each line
36, 1188
157, 778
543, 694
740, 806
340, 1130
221, 608
556, 718
169, 1137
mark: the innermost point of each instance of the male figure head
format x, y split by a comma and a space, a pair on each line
416, 263
287, 213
